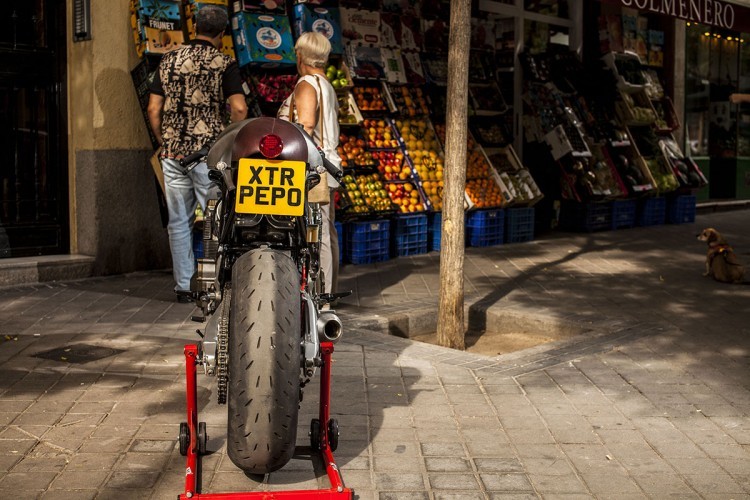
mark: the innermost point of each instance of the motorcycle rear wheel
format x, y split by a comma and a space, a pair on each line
264, 361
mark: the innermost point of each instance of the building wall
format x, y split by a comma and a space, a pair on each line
114, 209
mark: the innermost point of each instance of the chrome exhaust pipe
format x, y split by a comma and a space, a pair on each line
329, 326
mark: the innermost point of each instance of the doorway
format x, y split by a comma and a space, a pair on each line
33, 129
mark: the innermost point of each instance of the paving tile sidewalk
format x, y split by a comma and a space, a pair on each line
652, 402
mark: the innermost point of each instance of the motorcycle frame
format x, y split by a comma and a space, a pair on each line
337, 491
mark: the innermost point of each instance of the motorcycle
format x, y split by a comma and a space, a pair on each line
260, 287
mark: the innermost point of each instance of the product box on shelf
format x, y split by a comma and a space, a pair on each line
632, 169
373, 98
393, 65
409, 235
275, 7
324, 20
161, 25
413, 68
487, 100
263, 39
435, 68
365, 61
360, 26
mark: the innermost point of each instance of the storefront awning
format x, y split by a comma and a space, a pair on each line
717, 13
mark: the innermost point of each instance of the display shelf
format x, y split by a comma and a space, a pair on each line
681, 209
586, 217
627, 69
623, 213
651, 211
407, 197
519, 224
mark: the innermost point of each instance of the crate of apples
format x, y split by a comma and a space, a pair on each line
406, 197
374, 193
369, 99
379, 134
391, 165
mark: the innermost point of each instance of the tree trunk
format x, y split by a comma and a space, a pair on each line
450, 326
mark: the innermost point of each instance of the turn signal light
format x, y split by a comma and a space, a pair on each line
270, 146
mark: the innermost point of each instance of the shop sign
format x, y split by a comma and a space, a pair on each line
711, 12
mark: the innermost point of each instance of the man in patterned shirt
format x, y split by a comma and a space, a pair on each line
186, 110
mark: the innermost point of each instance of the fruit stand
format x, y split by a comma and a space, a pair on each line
607, 132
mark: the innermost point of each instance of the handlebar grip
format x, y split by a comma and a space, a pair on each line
193, 157
332, 169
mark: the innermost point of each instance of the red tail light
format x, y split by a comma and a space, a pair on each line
270, 146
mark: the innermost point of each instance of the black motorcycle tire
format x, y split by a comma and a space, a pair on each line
264, 361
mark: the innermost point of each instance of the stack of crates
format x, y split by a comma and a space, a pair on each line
623, 213
434, 231
340, 235
652, 211
409, 235
367, 241
485, 228
588, 217
519, 224
681, 209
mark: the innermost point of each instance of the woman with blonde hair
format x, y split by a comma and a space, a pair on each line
314, 105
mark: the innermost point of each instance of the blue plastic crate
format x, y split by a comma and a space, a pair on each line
652, 211
434, 230
367, 241
197, 244
681, 209
519, 224
623, 213
485, 228
340, 235
409, 235
576, 216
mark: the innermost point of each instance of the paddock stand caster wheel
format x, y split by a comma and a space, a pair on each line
202, 438
333, 434
184, 438
315, 434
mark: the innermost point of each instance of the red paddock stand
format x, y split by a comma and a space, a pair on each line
193, 440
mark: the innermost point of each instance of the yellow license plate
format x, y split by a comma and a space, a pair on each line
274, 187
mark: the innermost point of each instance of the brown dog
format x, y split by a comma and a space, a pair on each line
721, 262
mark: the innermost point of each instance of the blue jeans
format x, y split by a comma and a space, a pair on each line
184, 192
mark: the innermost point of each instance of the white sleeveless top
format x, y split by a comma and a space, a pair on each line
329, 128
